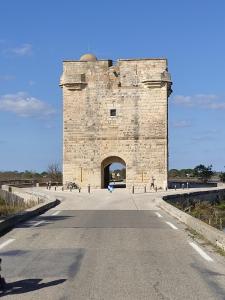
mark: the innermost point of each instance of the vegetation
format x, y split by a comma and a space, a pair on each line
195, 235
200, 173
203, 173
52, 173
183, 173
7, 209
222, 176
210, 213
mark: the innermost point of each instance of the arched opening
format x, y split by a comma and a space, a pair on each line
113, 172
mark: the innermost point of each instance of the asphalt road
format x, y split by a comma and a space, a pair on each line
108, 254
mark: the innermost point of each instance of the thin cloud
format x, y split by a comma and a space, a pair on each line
181, 124
6, 77
202, 138
206, 101
31, 82
22, 50
25, 49
24, 105
50, 125
207, 135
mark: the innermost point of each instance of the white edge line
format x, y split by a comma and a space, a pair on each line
38, 223
56, 213
6, 243
201, 252
171, 225
158, 215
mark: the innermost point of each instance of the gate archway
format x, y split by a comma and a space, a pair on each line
113, 171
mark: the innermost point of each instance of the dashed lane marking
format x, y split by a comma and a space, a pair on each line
171, 225
201, 252
9, 241
38, 223
158, 215
56, 213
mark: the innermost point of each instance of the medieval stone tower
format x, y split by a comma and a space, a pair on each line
115, 112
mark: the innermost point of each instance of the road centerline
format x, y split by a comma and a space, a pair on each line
158, 215
172, 225
200, 251
38, 223
9, 241
56, 213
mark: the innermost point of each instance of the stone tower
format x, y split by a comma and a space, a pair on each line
115, 112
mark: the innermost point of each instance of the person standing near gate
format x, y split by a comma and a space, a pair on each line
152, 183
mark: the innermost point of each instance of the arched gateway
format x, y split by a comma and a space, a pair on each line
115, 109
107, 176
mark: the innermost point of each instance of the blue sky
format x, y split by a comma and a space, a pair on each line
35, 36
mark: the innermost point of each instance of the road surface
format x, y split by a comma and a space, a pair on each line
105, 247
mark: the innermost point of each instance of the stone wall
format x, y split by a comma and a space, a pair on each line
199, 196
27, 196
138, 90
210, 233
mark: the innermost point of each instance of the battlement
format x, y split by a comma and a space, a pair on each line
143, 72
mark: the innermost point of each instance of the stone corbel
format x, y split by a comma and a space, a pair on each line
73, 82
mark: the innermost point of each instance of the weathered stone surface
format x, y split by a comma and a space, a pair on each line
138, 89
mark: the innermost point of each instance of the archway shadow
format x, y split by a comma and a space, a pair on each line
28, 285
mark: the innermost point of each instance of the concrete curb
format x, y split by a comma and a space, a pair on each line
213, 235
202, 194
39, 209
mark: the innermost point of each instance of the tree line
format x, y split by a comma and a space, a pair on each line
200, 172
52, 173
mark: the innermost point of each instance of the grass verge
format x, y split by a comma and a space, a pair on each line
197, 236
7, 209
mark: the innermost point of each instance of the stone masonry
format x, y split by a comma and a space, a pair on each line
115, 112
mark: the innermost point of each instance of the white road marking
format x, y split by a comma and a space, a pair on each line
56, 213
6, 243
201, 252
38, 223
158, 215
171, 225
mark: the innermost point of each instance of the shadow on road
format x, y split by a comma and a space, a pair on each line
48, 220
210, 277
14, 253
28, 285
